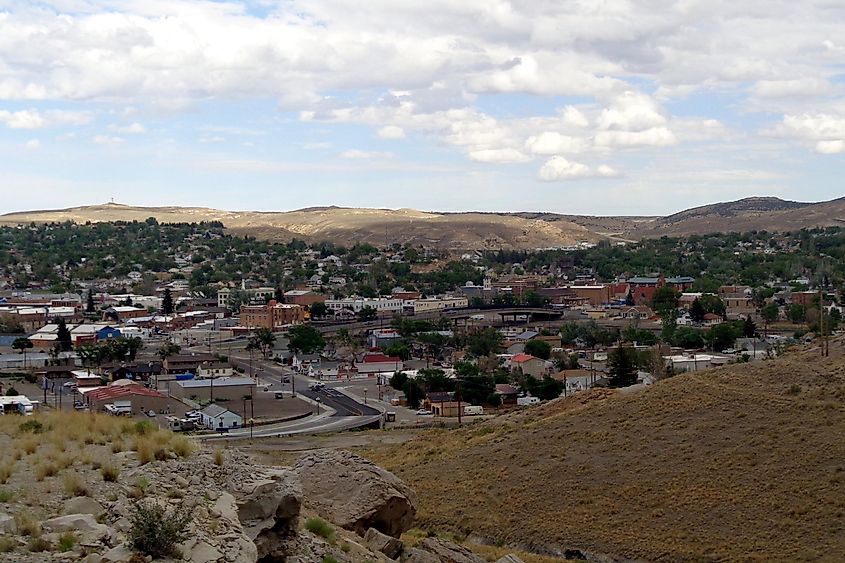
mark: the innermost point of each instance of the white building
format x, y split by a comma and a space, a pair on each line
383, 305
417, 306
214, 416
695, 362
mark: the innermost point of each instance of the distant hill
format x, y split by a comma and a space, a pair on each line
452, 231
749, 214
471, 230
739, 463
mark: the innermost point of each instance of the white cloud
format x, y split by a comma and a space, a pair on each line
33, 144
501, 156
315, 146
391, 132
558, 168
831, 147
106, 140
655, 137
551, 142
361, 154
131, 129
33, 119
573, 116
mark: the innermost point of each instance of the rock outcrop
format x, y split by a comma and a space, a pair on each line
356, 494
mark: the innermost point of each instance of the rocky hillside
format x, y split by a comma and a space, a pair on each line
380, 227
736, 464
80, 487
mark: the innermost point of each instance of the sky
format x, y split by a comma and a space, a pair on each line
601, 107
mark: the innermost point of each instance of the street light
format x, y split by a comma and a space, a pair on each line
318, 405
365, 396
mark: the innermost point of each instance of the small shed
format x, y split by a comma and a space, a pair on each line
215, 417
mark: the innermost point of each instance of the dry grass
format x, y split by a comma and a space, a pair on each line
721, 465
27, 525
45, 469
73, 485
218, 456
110, 472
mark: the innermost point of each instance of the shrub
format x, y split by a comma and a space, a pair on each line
29, 444
26, 525
143, 427
110, 472
31, 426
38, 544
6, 470
67, 541
6, 495
74, 486
155, 531
320, 527
46, 469
329, 559
7, 544
218, 457
182, 446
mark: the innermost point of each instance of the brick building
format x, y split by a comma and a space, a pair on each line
272, 316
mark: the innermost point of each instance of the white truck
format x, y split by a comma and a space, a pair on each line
473, 410
526, 401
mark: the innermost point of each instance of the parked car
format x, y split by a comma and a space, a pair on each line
423, 412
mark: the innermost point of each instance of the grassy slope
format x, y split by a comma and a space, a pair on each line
732, 464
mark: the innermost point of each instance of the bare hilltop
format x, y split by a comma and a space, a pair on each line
468, 230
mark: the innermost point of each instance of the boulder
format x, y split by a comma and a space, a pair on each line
510, 558
204, 553
272, 493
119, 554
83, 505
376, 541
85, 524
414, 555
356, 494
7, 524
448, 551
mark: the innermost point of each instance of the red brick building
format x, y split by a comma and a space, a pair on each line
273, 316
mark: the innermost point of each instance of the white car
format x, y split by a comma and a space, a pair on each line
423, 412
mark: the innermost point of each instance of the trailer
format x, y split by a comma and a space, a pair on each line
18, 404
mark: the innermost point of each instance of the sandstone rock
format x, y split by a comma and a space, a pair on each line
448, 551
119, 554
510, 558
83, 505
93, 558
85, 524
204, 553
7, 524
356, 494
388, 545
414, 555
272, 493
181, 482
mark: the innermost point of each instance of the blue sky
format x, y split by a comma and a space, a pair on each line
448, 105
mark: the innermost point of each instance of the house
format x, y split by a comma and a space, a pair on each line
374, 362
507, 394
711, 319
214, 369
303, 297
694, 362
643, 288
637, 312
530, 365
186, 363
123, 313
436, 397
447, 408
215, 416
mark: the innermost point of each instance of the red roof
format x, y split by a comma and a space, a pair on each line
376, 358
117, 391
519, 358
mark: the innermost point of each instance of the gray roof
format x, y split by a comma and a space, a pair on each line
214, 410
527, 335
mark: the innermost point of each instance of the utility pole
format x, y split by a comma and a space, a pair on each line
458, 397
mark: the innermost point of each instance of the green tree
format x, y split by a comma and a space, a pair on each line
262, 339
22, 344
696, 311
318, 310
167, 302
89, 302
770, 313
484, 342
545, 389
665, 300
723, 336
63, 337
399, 350
367, 314
539, 349
622, 366
169, 349
305, 339
713, 304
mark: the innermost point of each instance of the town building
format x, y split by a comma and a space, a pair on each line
223, 388
217, 417
272, 316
